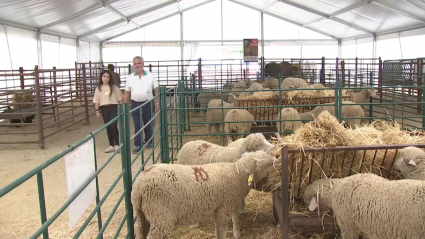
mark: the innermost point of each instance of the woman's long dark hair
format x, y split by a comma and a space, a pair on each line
110, 83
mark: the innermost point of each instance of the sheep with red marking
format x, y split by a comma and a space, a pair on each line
203, 152
166, 196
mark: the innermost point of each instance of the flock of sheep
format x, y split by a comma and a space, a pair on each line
369, 205
218, 110
207, 182
211, 182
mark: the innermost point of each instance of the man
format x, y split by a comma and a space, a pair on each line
115, 76
140, 85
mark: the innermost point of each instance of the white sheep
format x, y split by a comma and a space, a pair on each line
410, 161
168, 195
378, 208
318, 194
232, 126
215, 116
363, 96
288, 114
349, 110
294, 83
254, 87
317, 86
270, 82
204, 98
237, 88
203, 152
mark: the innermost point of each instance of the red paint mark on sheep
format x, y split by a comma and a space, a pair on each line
148, 169
202, 149
200, 174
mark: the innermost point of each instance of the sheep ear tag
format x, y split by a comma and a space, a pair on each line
313, 204
250, 179
411, 162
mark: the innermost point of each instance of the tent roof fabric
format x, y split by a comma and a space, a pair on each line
100, 20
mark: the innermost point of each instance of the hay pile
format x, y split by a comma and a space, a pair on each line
22, 97
326, 131
259, 99
262, 95
311, 97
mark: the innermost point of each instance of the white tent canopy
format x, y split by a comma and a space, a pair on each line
80, 29
98, 20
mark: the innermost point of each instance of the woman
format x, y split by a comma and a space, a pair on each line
106, 98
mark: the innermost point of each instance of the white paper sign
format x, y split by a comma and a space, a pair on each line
79, 165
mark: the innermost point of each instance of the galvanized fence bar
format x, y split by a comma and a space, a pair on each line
126, 167
42, 202
99, 213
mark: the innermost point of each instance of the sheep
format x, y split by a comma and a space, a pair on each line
215, 115
270, 82
228, 86
318, 194
349, 110
273, 83
410, 161
294, 83
233, 116
363, 96
378, 208
168, 195
288, 114
204, 98
254, 87
203, 152
239, 86
317, 86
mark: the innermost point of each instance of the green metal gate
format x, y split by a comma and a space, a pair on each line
160, 146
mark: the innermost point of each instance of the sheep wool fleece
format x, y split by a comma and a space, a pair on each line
170, 195
379, 208
203, 152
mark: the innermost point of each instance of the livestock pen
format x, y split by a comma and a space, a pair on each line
110, 215
399, 100
57, 99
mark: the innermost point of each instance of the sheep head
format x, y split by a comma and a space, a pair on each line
408, 157
257, 164
257, 141
371, 93
318, 194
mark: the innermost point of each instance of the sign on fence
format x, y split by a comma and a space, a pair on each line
79, 165
250, 50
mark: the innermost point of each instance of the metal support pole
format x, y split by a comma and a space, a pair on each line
39, 111
181, 45
164, 124
42, 203
339, 48
262, 35
285, 192
221, 15
39, 49
123, 111
86, 102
